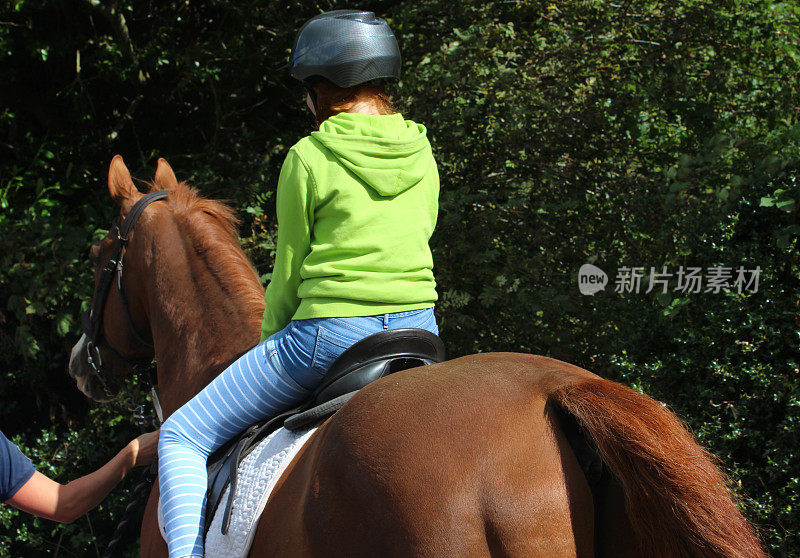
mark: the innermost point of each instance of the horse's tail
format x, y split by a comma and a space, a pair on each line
676, 498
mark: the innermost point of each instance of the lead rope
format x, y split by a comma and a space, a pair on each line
146, 477
141, 488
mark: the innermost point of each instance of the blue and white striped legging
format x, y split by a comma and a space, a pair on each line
272, 377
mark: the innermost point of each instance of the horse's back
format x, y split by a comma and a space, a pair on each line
458, 458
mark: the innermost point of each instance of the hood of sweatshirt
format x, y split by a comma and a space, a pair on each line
390, 154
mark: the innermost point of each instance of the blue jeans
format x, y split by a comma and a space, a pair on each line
272, 377
307, 348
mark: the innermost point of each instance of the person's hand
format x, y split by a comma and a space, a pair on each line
144, 449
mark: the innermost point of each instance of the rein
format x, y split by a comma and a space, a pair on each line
92, 319
92, 325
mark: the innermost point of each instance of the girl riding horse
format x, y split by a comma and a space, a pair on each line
357, 202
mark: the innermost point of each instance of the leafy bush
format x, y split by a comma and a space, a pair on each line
619, 134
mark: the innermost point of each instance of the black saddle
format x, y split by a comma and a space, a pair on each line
371, 358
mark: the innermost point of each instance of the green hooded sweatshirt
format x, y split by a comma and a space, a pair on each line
357, 203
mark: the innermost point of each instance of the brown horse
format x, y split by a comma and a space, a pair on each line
464, 458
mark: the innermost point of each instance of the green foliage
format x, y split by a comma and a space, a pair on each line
620, 134
576, 133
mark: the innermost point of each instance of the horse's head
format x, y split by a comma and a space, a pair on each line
116, 329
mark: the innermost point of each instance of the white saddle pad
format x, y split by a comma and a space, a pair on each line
258, 473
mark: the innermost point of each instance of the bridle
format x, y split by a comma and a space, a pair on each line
92, 324
92, 319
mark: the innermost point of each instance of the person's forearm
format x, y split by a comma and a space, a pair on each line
45, 497
83, 494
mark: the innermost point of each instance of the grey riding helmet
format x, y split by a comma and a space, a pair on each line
348, 47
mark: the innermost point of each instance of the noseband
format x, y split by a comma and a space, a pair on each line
92, 319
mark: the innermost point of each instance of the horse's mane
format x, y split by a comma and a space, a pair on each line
212, 228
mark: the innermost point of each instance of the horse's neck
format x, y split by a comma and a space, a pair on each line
199, 326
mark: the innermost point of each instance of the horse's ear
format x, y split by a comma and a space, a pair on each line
120, 184
165, 178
